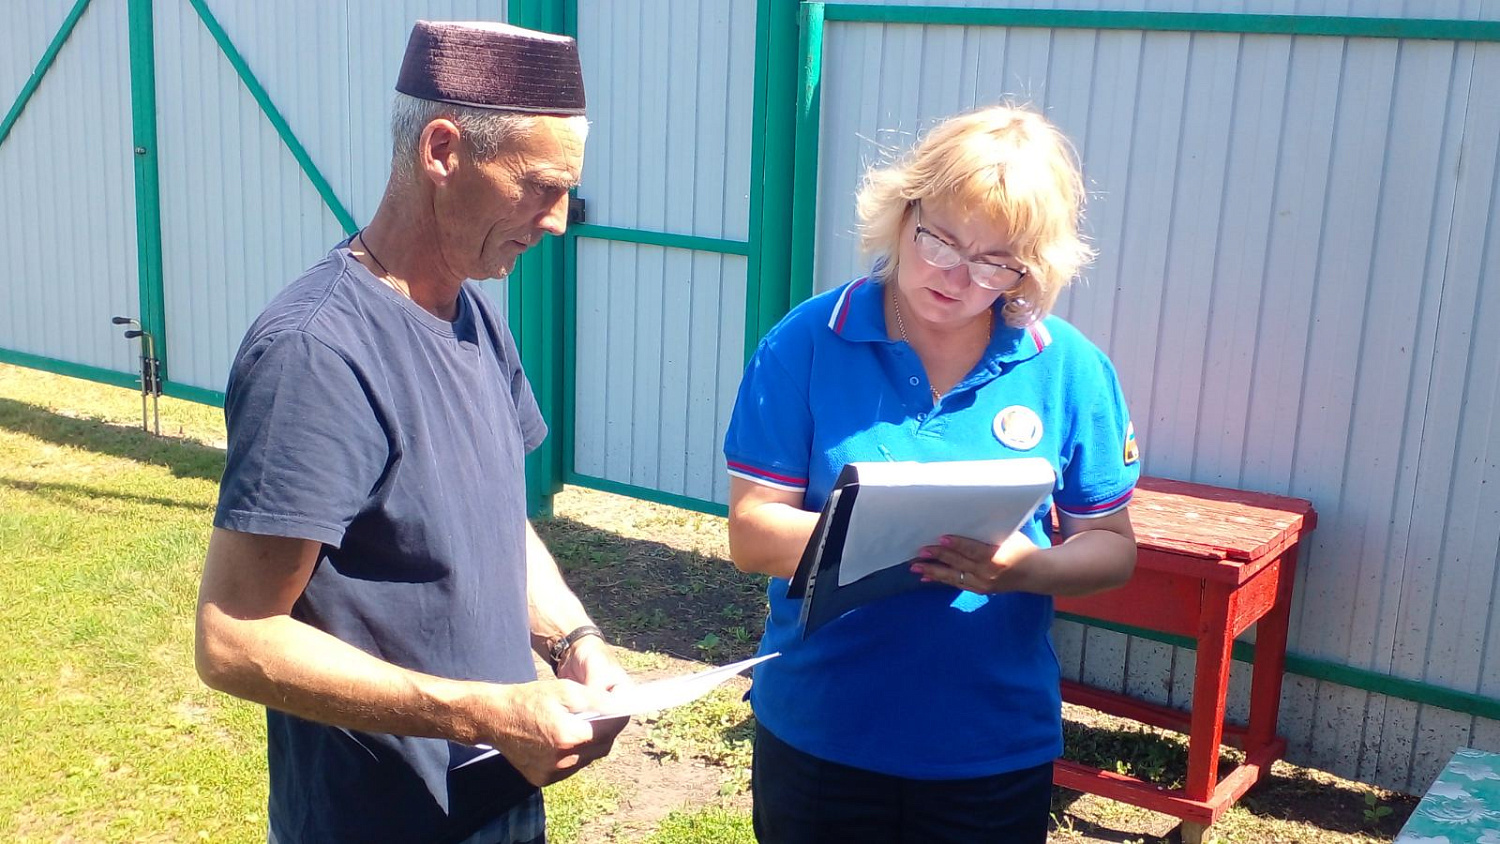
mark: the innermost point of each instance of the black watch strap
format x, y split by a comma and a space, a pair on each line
557, 649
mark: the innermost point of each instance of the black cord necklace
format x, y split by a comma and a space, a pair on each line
385, 273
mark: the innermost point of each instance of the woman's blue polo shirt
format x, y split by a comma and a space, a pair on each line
934, 683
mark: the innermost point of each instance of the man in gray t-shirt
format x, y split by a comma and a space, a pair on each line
372, 578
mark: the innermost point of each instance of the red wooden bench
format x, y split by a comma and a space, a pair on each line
1211, 563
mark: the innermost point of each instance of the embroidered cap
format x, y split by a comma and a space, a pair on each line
493, 65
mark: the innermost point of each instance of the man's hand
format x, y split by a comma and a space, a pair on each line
537, 728
591, 662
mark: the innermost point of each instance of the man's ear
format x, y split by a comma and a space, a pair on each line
437, 152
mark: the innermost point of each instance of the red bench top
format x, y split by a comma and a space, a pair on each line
1215, 523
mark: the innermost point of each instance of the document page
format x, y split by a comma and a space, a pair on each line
658, 694
902, 507
673, 691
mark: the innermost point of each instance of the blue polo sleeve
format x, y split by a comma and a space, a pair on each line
1100, 461
306, 448
770, 431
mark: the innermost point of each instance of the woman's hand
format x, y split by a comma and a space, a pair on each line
1097, 554
977, 566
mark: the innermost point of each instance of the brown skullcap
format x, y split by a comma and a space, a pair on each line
493, 65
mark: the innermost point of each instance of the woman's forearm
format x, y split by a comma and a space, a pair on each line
768, 537
1087, 562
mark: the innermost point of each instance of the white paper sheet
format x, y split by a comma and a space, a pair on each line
902, 507
658, 694
671, 692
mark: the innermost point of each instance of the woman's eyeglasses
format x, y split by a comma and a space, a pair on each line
943, 255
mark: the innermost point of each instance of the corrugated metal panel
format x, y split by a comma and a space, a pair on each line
660, 331
1289, 283
660, 339
232, 241
1447, 612
1464, 10
25, 39
67, 222
377, 34
670, 95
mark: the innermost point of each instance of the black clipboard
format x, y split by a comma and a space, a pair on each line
816, 580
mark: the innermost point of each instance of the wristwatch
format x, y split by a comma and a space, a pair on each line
558, 648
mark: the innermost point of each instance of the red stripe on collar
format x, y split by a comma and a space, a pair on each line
1039, 335
841, 308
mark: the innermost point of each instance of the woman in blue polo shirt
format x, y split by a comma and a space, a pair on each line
933, 715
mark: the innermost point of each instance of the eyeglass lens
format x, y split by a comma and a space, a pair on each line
943, 256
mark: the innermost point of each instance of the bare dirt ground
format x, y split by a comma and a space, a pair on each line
658, 578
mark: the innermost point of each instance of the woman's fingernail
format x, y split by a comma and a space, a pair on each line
947, 540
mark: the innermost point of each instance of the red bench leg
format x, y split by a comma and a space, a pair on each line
1210, 684
1270, 657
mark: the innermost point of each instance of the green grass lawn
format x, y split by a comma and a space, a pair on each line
107, 733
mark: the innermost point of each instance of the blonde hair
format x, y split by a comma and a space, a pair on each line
1004, 163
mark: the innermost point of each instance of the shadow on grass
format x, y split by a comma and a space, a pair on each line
71, 494
1285, 794
184, 458
710, 734
1063, 800
1332, 806
1157, 757
651, 596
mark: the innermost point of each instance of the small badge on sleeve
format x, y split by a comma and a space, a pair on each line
1018, 427
1132, 451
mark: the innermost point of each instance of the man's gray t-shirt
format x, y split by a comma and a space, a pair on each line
397, 440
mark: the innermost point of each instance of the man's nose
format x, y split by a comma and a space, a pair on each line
554, 220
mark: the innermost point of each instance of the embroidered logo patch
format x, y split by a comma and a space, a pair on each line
1018, 427
1132, 451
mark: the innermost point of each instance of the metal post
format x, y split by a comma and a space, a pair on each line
133, 334
537, 305
150, 372
154, 365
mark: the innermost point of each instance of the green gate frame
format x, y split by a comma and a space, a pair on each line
767, 252
152, 297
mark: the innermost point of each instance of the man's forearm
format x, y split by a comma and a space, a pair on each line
555, 611
287, 665
249, 645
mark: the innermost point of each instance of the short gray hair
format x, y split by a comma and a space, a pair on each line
487, 131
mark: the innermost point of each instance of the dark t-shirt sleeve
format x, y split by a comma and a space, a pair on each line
306, 447
528, 414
